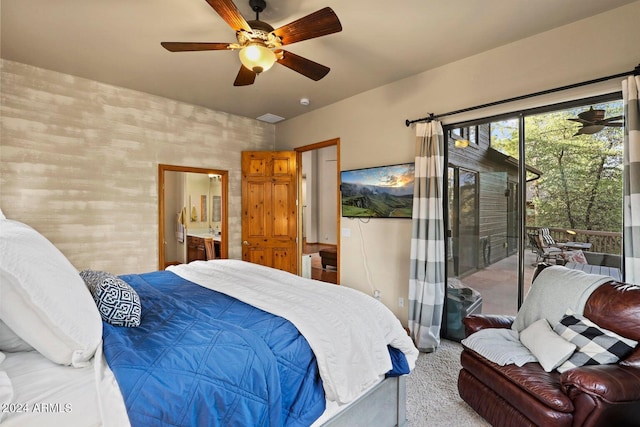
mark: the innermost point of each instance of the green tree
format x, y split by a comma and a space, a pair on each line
581, 182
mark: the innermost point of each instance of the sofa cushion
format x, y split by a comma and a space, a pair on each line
548, 347
595, 345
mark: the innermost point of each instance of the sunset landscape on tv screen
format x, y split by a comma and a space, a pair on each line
378, 192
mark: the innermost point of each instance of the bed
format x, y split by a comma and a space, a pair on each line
220, 342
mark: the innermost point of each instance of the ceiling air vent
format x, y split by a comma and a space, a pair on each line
270, 118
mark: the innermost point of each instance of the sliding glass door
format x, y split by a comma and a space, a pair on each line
511, 175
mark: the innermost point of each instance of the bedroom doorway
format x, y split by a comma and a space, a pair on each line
192, 206
319, 212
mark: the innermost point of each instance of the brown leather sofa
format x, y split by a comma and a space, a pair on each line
602, 395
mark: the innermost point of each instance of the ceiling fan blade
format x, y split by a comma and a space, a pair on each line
612, 119
245, 77
613, 125
304, 66
583, 121
320, 23
589, 130
230, 13
190, 47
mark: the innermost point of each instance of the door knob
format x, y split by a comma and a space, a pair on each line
246, 243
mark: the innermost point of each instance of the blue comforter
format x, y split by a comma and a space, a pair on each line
201, 358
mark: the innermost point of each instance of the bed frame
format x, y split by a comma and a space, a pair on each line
384, 405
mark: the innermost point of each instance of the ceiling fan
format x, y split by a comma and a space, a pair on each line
593, 121
259, 44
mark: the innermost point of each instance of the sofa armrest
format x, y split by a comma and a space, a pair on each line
612, 383
475, 322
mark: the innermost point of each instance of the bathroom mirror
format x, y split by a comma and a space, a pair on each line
192, 206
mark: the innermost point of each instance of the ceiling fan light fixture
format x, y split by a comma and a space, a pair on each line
257, 58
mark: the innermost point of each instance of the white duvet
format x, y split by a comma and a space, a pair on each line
347, 330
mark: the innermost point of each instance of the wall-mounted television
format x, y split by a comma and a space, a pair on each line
378, 192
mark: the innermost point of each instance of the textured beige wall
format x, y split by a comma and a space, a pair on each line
79, 162
372, 131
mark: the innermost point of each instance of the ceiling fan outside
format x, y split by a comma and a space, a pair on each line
260, 44
593, 121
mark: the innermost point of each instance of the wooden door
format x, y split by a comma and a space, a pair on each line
269, 211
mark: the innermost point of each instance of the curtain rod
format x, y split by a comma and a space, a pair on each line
431, 116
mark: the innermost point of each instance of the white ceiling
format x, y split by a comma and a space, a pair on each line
118, 42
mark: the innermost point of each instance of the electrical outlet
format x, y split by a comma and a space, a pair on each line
400, 302
346, 232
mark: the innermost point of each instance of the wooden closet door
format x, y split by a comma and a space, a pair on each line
269, 211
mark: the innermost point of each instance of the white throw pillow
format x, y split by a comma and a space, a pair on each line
549, 348
44, 299
10, 342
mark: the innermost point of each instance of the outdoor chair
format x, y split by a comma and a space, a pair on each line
545, 237
544, 254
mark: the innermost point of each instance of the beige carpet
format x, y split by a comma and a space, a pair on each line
432, 391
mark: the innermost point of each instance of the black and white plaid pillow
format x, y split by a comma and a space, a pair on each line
118, 303
594, 345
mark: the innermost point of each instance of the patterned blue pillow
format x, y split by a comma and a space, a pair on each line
118, 303
92, 278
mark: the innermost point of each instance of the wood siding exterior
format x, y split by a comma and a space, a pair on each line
496, 181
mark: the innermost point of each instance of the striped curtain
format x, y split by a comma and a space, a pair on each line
631, 233
427, 276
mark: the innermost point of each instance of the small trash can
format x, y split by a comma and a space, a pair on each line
461, 302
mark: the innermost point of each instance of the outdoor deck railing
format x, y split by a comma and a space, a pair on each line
602, 241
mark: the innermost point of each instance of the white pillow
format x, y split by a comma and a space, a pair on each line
2, 215
10, 342
44, 299
549, 348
